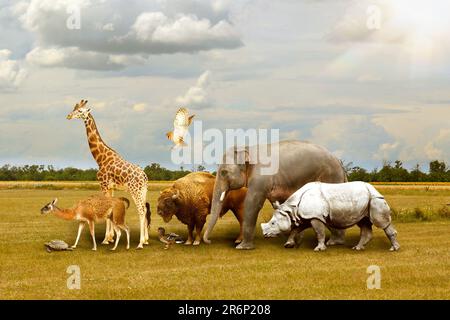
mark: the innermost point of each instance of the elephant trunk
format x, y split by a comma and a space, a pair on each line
219, 193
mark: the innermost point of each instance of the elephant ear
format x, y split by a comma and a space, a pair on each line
242, 156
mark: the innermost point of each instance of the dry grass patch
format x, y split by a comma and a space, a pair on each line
421, 268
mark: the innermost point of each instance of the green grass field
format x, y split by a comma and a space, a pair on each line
420, 270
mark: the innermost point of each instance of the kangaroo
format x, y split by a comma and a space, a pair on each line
90, 211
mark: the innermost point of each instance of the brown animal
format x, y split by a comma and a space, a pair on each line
90, 211
189, 199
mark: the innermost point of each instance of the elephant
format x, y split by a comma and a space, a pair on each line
339, 205
298, 163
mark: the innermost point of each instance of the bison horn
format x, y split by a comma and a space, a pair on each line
276, 205
176, 195
222, 196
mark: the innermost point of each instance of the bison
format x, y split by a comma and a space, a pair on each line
189, 199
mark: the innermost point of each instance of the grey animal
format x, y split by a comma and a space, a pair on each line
57, 245
298, 163
339, 206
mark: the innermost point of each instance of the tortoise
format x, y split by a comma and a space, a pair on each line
168, 239
57, 245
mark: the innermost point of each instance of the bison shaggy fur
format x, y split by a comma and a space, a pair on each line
189, 199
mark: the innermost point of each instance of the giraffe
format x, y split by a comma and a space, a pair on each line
115, 171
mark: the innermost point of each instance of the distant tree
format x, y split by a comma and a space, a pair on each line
399, 174
358, 174
416, 175
438, 171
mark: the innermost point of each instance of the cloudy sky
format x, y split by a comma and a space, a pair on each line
367, 79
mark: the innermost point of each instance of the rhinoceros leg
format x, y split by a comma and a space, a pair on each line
295, 237
319, 228
365, 235
391, 233
337, 237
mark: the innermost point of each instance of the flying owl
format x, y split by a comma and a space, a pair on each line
180, 127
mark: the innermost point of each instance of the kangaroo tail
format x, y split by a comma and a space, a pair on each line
126, 201
148, 214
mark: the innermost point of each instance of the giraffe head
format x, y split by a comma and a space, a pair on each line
80, 111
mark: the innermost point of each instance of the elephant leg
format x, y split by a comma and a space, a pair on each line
391, 233
239, 214
295, 237
337, 237
253, 203
365, 234
319, 229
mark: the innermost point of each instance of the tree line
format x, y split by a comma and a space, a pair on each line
389, 172
395, 172
48, 173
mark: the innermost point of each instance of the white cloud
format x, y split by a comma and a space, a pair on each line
387, 151
134, 29
108, 27
185, 33
354, 138
73, 57
197, 96
140, 107
11, 72
353, 26
291, 135
439, 147
98, 105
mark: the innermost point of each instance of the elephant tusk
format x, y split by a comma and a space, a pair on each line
222, 196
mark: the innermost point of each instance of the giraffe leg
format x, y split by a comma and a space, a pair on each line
143, 199
147, 222
142, 231
107, 191
140, 205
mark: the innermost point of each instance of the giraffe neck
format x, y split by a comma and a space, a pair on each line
66, 214
96, 144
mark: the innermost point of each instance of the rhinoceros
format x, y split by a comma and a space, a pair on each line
339, 206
